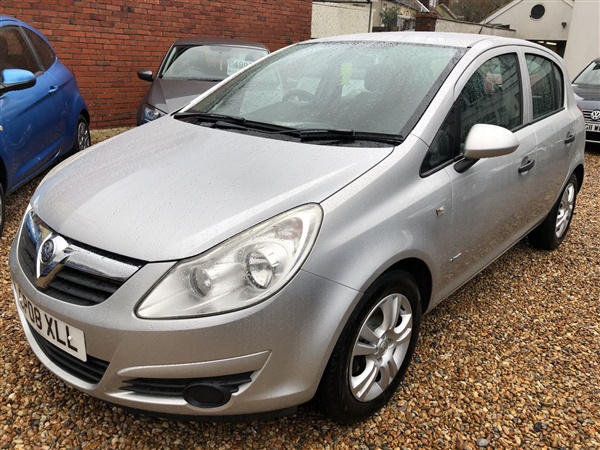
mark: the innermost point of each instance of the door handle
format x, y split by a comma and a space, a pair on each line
570, 138
53, 89
526, 166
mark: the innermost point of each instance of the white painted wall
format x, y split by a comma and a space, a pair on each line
332, 19
452, 26
583, 44
581, 31
549, 27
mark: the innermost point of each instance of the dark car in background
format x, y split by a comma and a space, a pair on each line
43, 116
191, 67
586, 86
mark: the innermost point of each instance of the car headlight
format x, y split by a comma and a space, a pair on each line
150, 113
238, 273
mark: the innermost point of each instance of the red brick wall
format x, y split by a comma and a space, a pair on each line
106, 42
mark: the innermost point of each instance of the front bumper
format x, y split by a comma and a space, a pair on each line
275, 352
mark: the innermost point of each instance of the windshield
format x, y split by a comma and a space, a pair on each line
375, 87
590, 75
207, 62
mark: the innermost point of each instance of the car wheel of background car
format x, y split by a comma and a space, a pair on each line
553, 230
83, 135
373, 351
2, 218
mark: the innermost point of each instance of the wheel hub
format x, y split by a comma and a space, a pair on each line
382, 346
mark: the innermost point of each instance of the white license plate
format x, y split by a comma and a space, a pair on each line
592, 127
62, 335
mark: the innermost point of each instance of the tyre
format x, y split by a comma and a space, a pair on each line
82, 136
2, 216
553, 230
374, 350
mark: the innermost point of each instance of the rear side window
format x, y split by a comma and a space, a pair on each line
15, 51
43, 50
546, 85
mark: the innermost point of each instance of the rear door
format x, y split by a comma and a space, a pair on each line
553, 125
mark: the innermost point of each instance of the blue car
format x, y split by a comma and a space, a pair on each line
43, 116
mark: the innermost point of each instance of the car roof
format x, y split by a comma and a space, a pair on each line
219, 41
463, 40
5, 20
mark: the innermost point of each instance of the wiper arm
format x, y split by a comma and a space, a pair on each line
349, 135
230, 122
209, 117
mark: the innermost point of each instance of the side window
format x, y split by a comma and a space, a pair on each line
546, 85
15, 51
43, 50
492, 96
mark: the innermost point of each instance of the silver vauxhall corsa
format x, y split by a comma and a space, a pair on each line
280, 238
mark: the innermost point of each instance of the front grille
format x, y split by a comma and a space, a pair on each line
587, 115
74, 282
174, 387
90, 371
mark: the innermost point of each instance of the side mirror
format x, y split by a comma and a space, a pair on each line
487, 141
145, 75
16, 80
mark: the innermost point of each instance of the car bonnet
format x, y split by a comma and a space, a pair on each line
169, 190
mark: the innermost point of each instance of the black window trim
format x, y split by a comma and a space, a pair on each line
33, 49
41, 68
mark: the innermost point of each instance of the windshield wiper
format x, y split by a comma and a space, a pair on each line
317, 134
210, 117
305, 135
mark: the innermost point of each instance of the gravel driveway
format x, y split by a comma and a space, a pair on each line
512, 360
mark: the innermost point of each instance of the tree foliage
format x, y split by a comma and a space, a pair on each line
475, 10
389, 17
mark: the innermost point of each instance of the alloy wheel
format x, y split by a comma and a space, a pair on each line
381, 347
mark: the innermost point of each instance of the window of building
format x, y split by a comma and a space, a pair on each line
537, 12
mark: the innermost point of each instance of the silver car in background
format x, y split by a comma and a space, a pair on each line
280, 238
191, 67
586, 86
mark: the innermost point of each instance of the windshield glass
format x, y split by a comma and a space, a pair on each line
207, 62
590, 76
376, 87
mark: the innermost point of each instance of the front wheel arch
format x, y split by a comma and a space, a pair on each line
386, 321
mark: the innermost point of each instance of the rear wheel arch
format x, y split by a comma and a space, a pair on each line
86, 116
